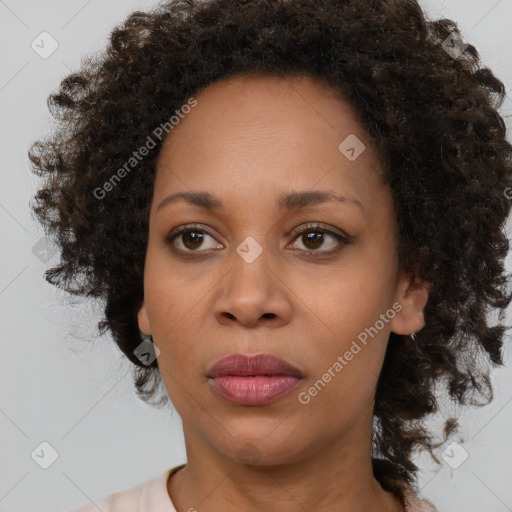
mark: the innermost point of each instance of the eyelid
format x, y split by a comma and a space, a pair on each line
320, 226
188, 227
341, 236
185, 228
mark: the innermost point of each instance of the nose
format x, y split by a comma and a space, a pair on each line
253, 294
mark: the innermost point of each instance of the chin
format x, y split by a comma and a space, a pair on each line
263, 450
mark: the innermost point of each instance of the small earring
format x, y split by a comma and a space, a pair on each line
413, 336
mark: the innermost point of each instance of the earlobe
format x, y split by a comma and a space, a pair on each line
412, 294
143, 320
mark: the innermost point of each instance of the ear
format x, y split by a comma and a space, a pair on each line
143, 320
412, 294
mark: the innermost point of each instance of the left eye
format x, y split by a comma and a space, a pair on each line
315, 237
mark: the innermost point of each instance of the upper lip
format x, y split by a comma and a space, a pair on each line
256, 364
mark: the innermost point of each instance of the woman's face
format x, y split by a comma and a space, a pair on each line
242, 280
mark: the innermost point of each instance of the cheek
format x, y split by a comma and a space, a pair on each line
166, 293
345, 320
171, 303
344, 378
349, 300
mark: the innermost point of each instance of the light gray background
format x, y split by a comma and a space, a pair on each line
57, 386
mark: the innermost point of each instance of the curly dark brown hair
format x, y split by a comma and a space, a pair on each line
433, 117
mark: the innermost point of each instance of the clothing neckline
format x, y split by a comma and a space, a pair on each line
167, 476
412, 501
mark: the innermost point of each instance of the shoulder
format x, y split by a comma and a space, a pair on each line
127, 500
150, 495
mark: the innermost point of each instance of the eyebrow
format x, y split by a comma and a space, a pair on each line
290, 201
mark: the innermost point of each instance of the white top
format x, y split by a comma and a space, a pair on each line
152, 496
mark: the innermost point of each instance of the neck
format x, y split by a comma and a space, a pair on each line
332, 477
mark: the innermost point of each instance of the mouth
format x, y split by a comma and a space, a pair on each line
253, 379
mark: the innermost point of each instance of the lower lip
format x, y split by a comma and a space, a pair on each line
255, 390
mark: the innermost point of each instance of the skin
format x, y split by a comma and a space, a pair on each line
247, 141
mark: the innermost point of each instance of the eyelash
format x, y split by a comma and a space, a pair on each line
309, 228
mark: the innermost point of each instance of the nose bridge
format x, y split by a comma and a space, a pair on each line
256, 255
251, 266
252, 229
251, 288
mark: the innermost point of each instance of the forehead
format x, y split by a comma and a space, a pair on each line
281, 133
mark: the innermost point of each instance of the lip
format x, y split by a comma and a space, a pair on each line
256, 379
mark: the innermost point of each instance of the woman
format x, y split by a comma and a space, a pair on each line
293, 212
